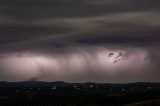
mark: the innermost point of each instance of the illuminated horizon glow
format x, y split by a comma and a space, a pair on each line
74, 66
126, 62
18, 67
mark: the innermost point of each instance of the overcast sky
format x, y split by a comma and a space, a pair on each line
80, 40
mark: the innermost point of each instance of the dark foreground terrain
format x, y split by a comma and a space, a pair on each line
76, 94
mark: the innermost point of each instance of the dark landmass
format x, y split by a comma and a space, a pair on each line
36, 93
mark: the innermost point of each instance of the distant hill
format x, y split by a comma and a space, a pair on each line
88, 84
37, 93
33, 84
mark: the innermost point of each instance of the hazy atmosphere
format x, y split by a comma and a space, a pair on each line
80, 40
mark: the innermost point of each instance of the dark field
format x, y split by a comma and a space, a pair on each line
78, 94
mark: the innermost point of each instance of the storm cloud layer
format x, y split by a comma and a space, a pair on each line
80, 40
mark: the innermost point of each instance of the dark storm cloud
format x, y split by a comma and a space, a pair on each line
80, 20
71, 8
77, 31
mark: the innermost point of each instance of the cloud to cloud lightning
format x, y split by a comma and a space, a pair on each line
80, 41
78, 64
